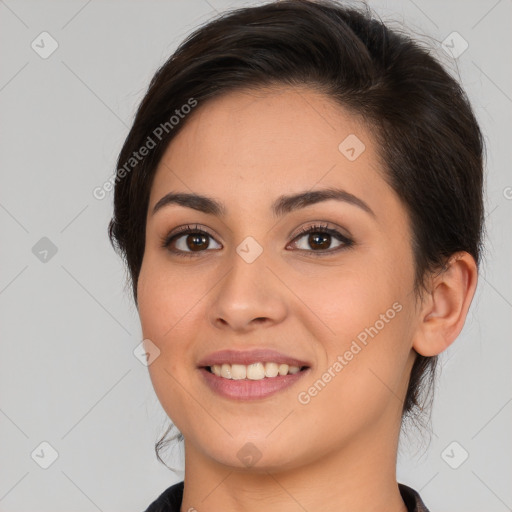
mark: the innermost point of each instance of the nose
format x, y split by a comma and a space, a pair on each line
248, 296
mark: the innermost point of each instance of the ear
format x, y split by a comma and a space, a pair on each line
444, 308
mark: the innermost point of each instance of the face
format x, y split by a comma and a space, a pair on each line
324, 280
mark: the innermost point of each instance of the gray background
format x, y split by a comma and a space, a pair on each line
68, 375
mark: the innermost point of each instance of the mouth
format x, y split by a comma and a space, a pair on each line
254, 371
256, 381
251, 374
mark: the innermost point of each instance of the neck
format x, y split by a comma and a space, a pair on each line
360, 476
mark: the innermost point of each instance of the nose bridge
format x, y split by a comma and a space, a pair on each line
249, 291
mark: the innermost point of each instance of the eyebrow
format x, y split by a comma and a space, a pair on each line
282, 205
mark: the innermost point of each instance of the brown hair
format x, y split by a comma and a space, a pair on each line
426, 131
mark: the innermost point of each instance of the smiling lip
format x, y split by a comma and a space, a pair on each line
250, 357
245, 389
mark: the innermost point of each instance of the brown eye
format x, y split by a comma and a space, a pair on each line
196, 241
189, 241
319, 239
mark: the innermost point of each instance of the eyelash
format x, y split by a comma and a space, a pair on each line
316, 228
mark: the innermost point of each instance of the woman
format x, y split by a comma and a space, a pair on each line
299, 204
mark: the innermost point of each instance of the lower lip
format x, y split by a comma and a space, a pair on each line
246, 389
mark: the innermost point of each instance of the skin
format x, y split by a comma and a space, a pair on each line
338, 452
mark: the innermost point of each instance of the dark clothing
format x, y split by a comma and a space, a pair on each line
170, 499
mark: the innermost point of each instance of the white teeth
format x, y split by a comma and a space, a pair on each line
225, 371
238, 371
255, 371
271, 369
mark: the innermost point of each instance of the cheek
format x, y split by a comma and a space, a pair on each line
361, 326
167, 302
345, 301
167, 316
364, 376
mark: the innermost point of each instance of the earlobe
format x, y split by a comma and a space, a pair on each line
444, 310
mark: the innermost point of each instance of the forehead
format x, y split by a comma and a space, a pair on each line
259, 144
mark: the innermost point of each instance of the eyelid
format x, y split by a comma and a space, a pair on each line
322, 225
346, 241
186, 229
189, 227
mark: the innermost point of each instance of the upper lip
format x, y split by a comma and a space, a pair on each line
246, 357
